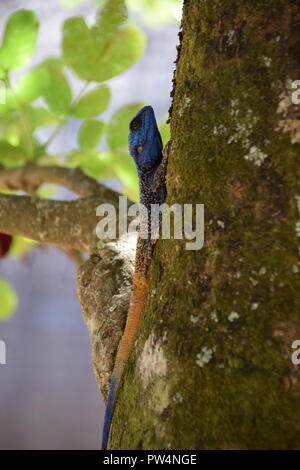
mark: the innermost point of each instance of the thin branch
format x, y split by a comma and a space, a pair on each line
30, 177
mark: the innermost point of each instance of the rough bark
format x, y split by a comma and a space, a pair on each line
212, 366
103, 287
104, 280
68, 224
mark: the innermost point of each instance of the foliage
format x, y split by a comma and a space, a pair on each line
155, 13
92, 104
19, 40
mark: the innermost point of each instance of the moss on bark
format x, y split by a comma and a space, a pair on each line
212, 367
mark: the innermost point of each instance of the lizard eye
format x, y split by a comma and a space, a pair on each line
135, 124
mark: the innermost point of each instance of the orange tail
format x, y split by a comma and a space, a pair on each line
139, 293
135, 313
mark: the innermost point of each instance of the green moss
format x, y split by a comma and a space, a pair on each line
232, 68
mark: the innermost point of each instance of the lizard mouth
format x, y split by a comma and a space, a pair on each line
146, 167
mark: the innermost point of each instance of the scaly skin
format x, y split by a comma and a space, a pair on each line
145, 147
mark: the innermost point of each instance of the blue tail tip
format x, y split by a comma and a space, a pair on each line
109, 412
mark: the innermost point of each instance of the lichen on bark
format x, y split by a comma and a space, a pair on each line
103, 288
223, 318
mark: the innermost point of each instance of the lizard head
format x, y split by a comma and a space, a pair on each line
145, 144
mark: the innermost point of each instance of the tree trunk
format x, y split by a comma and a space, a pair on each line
212, 366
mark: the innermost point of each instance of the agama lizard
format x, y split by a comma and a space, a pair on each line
145, 146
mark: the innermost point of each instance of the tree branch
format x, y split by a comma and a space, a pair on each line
28, 178
70, 224
103, 288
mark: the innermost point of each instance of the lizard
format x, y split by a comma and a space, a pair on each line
146, 148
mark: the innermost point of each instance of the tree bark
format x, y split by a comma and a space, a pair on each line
212, 365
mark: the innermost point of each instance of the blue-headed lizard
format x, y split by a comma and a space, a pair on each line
145, 146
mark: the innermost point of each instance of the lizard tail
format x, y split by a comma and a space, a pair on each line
109, 411
135, 313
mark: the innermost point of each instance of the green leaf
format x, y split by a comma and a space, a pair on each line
94, 163
58, 93
157, 13
10, 128
92, 104
164, 130
47, 191
71, 3
125, 170
78, 47
11, 156
32, 85
21, 246
19, 40
117, 135
90, 134
126, 48
105, 50
29, 144
9, 102
40, 117
83, 47
110, 18
2, 73
9, 300
17, 132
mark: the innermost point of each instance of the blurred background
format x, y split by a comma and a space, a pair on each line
48, 395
